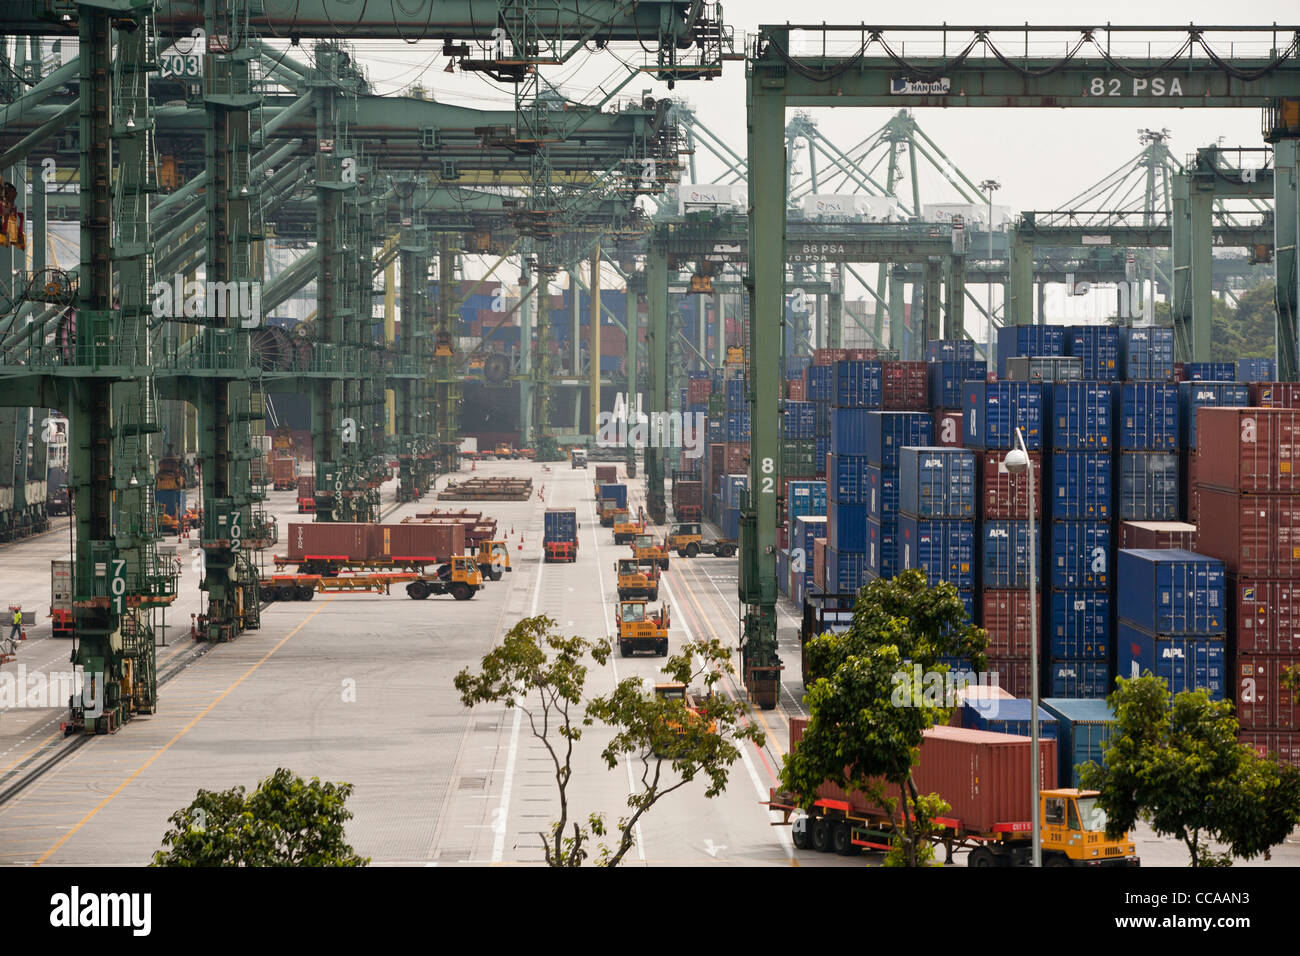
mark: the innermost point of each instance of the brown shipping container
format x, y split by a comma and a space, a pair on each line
736, 458
687, 493
1006, 618
1157, 534
1254, 535
947, 428
794, 390
1264, 615
829, 356
1262, 702
1283, 745
1248, 449
1190, 475
984, 776
432, 541
284, 469
819, 562
1004, 495
905, 386
351, 541
306, 486
607, 474
1013, 673
1275, 394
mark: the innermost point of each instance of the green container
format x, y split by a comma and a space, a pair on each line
798, 458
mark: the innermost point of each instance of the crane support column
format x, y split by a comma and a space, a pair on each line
1286, 235
593, 338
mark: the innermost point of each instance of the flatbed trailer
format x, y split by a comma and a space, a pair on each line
303, 587
332, 565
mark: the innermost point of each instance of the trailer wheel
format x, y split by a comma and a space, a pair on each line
269, 596
981, 856
821, 835
496, 575
681, 552
305, 593
1057, 859
842, 840
692, 550
654, 595
664, 564
663, 648
461, 592
417, 590
800, 835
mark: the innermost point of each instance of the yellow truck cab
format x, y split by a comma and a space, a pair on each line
459, 577
640, 630
635, 581
1073, 827
493, 559
647, 550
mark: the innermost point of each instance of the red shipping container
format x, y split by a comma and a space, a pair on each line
1262, 702
1005, 615
1005, 495
1254, 535
947, 428
905, 386
421, 542
984, 776
1157, 534
1248, 449
1284, 746
687, 493
1275, 394
782, 536
736, 458
607, 474
698, 391
1180, 372
829, 356
1264, 615
338, 540
819, 562
1189, 475
1013, 674
306, 486
794, 389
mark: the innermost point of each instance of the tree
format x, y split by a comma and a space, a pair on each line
544, 675
860, 727
1248, 331
1179, 766
286, 821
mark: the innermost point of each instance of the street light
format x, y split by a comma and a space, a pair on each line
1017, 462
988, 186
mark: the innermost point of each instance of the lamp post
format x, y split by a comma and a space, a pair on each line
1017, 462
988, 186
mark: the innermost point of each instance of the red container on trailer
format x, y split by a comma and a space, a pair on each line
607, 474
905, 386
1005, 495
1157, 534
1264, 615
1255, 450
947, 428
1005, 615
1263, 703
341, 541
1275, 394
1254, 535
1284, 745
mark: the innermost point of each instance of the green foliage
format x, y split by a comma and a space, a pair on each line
1291, 678
927, 807
1179, 766
1247, 331
286, 821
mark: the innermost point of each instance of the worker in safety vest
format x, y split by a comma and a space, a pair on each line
16, 631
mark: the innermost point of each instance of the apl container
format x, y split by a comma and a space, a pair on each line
947, 378
1256, 370
1005, 495
944, 549
936, 482
1148, 486
1080, 555
1004, 553
1193, 396
1097, 347
614, 492
1084, 726
994, 410
1146, 416
1078, 626
1254, 450
1254, 535
805, 498
1264, 615
881, 494
735, 392
1209, 372
1079, 416
819, 383
947, 350
846, 527
1146, 354
1264, 701
1014, 340
1172, 592
882, 548
878, 435
848, 480
1080, 485
1078, 678
1007, 717
857, 385
1184, 663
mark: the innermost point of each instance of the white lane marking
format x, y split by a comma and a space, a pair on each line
503, 810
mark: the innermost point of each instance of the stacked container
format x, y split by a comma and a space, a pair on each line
1192, 396
1172, 610
1146, 456
1250, 518
1083, 728
1028, 340
936, 512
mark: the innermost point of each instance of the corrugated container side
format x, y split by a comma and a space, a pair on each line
1004, 553
1080, 555
1006, 617
1043, 368
1004, 495
880, 493
1077, 678
947, 377
1171, 592
1079, 625
1146, 354
1013, 673
948, 427
1097, 346
1256, 370
1249, 449
1006, 717
1146, 416
1080, 485
947, 350
1015, 340
944, 549
858, 385
994, 410
1147, 486
1264, 702
849, 481
904, 386
1157, 534
1283, 745
846, 571
1184, 663
882, 548
846, 527
1264, 615
1085, 726
1254, 535
1209, 372
936, 482
1079, 416
1196, 395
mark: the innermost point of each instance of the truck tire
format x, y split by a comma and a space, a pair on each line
305, 593
497, 574
681, 552
663, 564
1056, 859
692, 550
417, 590
625, 649
800, 835
461, 591
269, 596
821, 835
663, 648
982, 856
842, 840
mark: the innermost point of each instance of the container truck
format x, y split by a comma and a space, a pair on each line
687, 540
625, 529
306, 494
284, 473
560, 535
61, 598
459, 577
641, 630
611, 497
635, 581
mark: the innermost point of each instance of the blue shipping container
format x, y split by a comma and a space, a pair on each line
858, 384
819, 383
1080, 555
1078, 678
1079, 485
799, 420
731, 523
1098, 347
847, 480
560, 525
783, 571
735, 394
846, 526
1148, 486
1028, 340
733, 490
882, 548
1209, 372
1256, 370
170, 501
947, 377
1079, 625
1079, 416
1171, 591
944, 549
1146, 354
1001, 715
805, 498
1083, 727
736, 426
936, 482
804, 531
846, 571
1194, 395
615, 492
823, 447
992, 411
824, 412
947, 350
1184, 663
1004, 554
1146, 416
878, 435
881, 494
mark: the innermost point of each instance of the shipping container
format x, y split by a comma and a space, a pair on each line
1249, 449
1079, 485
1079, 414
1044, 368
819, 561
1195, 395
948, 350
799, 420
1189, 487
306, 486
1210, 372
730, 523
1255, 370
1254, 535
1078, 625
905, 386
734, 490
1007, 717
877, 434
846, 571
1147, 486
1080, 555
828, 357
846, 527
1013, 673
1084, 727
994, 410
614, 492
1146, 354
848, 481
1264, 702
1284, 746
805, 498
944, 549
1004, 495
1004, 554
1146, 416
881, 493
857, 385
936, 482
1157, 534
819, 383
1016, 340
1264, 615
1184, 663
948, 427
1005, 615
881, 558
803, 532
606, 474
1173, 592
736, 395
687, 494
1097, 347
799, 458
560, 525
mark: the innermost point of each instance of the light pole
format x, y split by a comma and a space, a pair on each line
988, 186
1017, 462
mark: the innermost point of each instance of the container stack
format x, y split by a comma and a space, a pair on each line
1032, 341
734, 490
950, 365
1250, 519
1192, 396
1146, 453
936, 516
1171, 606
819, 384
